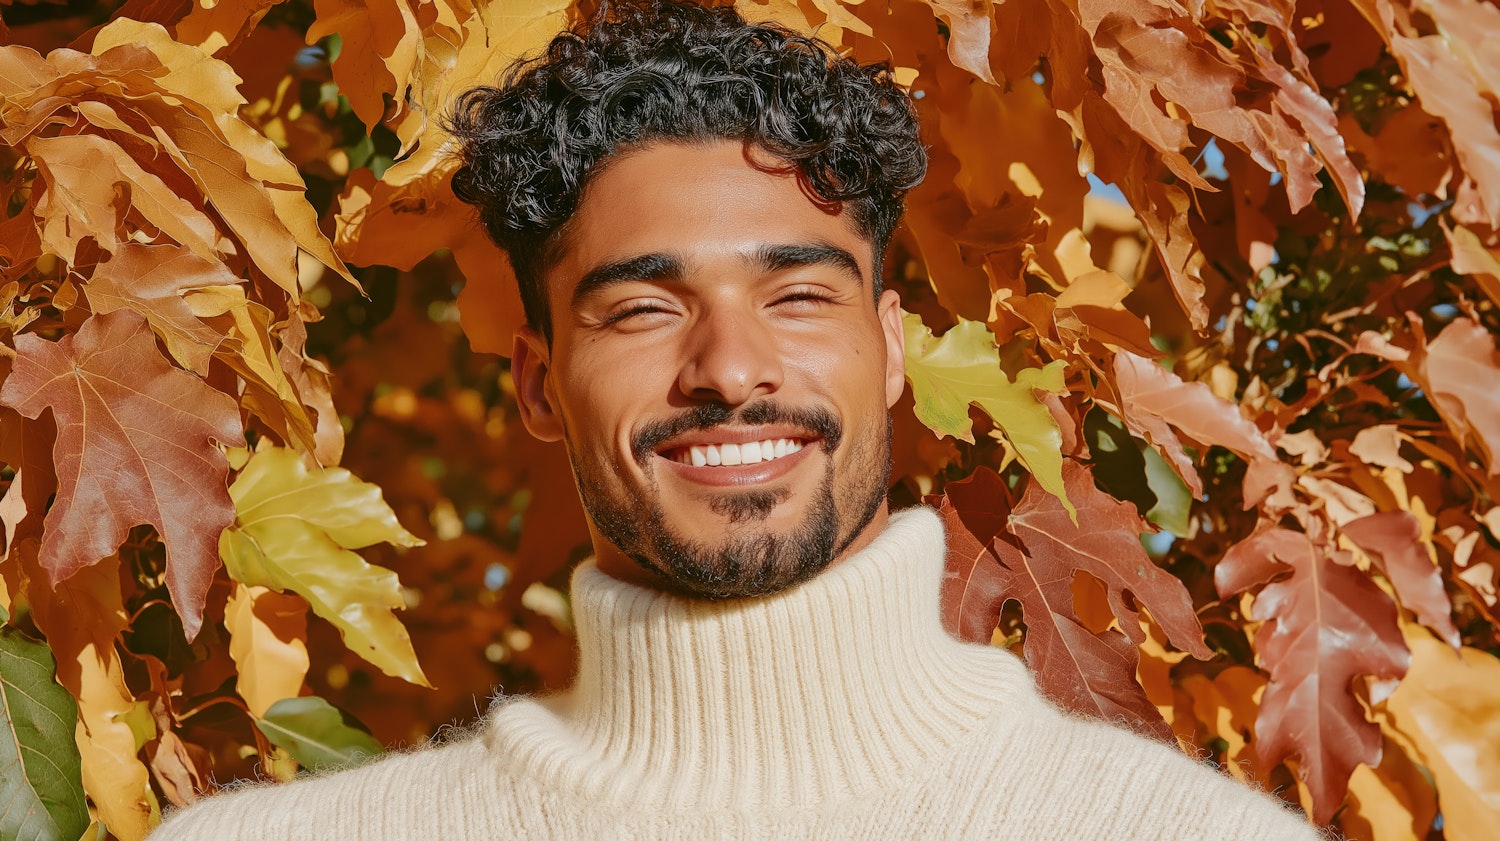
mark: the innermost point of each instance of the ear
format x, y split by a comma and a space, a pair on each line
888, 310
530, 364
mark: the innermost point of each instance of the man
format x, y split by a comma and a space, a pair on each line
696, 210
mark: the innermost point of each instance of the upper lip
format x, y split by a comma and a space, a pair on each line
735, 435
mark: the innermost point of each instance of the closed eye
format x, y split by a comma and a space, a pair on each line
633, 311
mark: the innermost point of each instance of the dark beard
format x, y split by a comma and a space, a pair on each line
750, 564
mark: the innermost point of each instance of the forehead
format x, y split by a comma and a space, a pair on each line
703, 202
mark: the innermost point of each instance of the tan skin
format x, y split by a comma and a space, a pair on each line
721, 323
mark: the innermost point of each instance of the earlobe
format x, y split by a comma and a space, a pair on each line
530, 367
888, 310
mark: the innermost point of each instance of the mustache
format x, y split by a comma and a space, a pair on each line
819, 421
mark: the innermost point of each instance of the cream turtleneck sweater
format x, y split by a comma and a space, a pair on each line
839, 709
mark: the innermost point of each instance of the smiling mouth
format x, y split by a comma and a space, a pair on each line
733, 455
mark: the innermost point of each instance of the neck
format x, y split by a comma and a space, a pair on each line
735, 701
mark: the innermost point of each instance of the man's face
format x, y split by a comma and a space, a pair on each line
719, 370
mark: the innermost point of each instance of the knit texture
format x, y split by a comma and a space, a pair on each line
839, 709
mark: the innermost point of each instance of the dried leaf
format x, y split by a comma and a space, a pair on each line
1393, 540
1082, 670
1461, 367
151, 280
1325, 624
82, 619
137, 442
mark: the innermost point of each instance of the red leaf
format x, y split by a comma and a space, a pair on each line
1325, 624
1393, 540
137, 442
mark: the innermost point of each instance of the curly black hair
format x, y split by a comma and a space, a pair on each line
647, 71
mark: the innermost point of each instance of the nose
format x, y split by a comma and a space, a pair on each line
731, 357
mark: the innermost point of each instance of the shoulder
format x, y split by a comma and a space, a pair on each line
1086, 778
381, 795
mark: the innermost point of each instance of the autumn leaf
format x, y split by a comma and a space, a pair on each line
268, 642
963, 367
1086, 671
137, 442
152, 280
294, 530
1326, 623
1447, 705
1393, 539
1461, 367
83, 618
973, 511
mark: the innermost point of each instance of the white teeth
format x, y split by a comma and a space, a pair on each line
728, 455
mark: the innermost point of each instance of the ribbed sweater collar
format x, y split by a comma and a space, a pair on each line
826, 690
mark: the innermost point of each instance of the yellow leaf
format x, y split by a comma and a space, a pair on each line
268, 641
1394, 802
81, 619
293, 531
963, 367
1448, 705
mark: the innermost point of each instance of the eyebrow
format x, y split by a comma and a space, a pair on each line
776, 258
768, 259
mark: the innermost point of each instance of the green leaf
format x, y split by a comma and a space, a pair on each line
1174, 502
41, 782
315, 733
293, 530
963, 368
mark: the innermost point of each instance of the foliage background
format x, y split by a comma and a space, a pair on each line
1222, 274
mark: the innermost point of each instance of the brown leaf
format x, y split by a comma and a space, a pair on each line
1451, 77
1393, 540
137, 442
969, 24
1083, 671
974, 511
151, 280
1461, 368
91, 186
1325, 624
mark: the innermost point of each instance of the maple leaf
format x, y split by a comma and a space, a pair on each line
151, 280
1325, 624
137, 442
963, 367
293, 530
